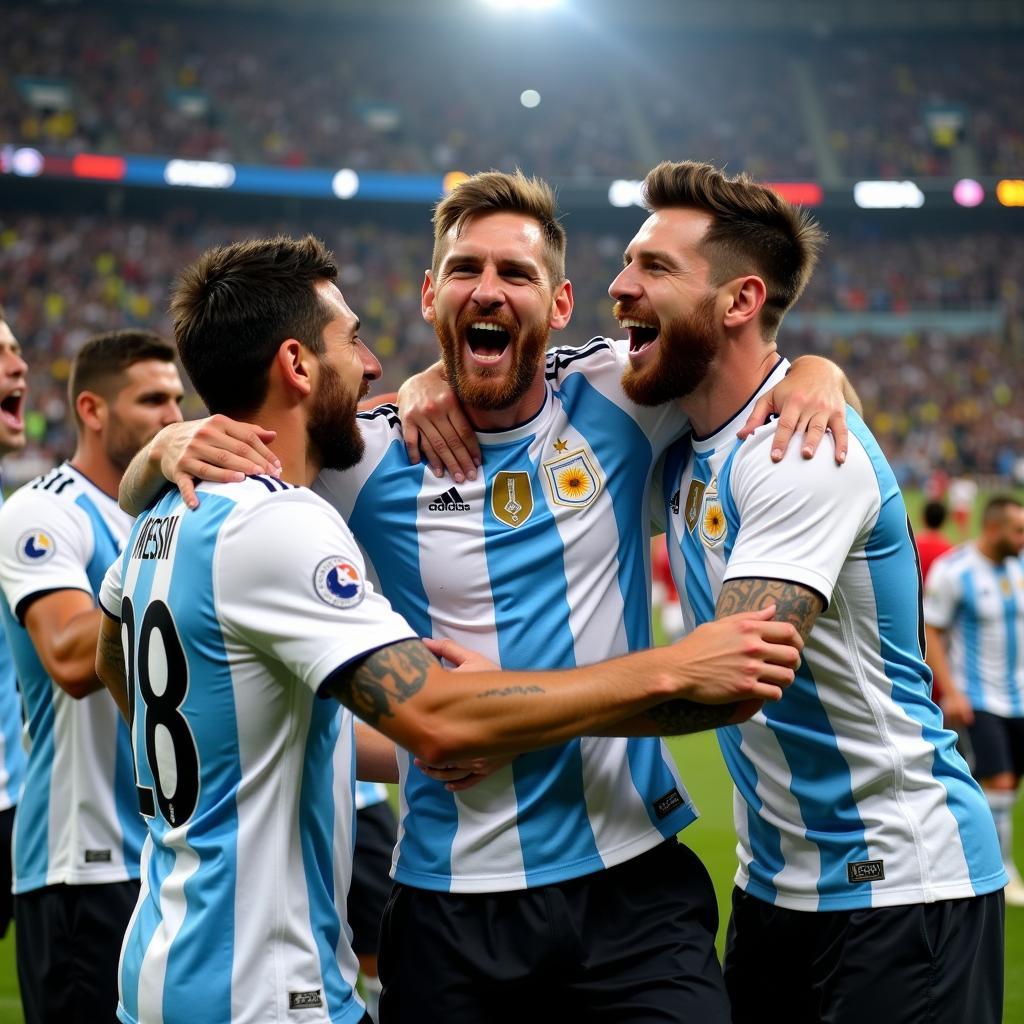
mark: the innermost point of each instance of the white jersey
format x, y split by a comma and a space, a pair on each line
12, 750
234, 616
981, 605
370, 793
849, 791
78, 821
541, 562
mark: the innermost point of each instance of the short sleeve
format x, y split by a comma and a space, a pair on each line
290, 581
799, 518
110, 589
45, 545
941, 594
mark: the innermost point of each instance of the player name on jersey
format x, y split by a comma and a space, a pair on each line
156, 538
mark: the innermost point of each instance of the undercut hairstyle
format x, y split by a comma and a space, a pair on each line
498, 192
934, 514
753, 231
996, 508
234, 307
101, 362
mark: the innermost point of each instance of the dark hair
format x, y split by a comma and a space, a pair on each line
996, 506
103, 359
934, 514
3, 315
234, 306
753, 230
497, 192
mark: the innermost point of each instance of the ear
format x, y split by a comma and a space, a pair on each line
561, 307
293, 365
92, 410
427, 298
746, 296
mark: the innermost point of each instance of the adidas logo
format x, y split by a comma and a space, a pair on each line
450, 501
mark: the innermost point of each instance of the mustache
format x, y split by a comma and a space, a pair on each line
634, 311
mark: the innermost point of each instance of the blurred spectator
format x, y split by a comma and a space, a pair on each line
931, 541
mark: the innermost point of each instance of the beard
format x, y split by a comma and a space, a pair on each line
687, 346
334, 440
124, 442
491, 388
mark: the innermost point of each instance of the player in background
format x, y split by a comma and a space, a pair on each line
13, 384
974, 615
543, 560
78, 833
869, 883
931, 541
260, 603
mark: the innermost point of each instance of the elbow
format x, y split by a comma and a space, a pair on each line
75, 683
438, 742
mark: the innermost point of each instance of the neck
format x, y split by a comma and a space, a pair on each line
736, 373
512, 416
91, 461
299, 465
988, 549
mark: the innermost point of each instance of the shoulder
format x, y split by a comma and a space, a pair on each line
596, 355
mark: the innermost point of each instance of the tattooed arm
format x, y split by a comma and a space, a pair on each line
110, 663
794, 603
445, 717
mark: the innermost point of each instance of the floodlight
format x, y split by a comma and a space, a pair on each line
529, 98
523, 5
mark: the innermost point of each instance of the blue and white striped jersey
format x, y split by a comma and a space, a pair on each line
849, 792
370, 793
12, 750
78, 820
233, 616
981, 604
541, 562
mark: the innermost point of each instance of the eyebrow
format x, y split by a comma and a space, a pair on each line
503, 262
649, 255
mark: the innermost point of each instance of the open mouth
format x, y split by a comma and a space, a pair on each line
487, 341
11, 408
641, 335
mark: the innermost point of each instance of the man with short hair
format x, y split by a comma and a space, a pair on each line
974, 616
257, 603
931, 541
869, 878
13, 383
78, 833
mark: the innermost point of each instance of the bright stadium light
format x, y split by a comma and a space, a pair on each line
523, 5
968, 192
345, 183
623, 193
529, 98
1010, 192
887, 195
27, 162
199, 174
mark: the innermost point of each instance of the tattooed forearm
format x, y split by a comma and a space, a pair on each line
389, 676
511, 691
110, 666
793, 603
678, 717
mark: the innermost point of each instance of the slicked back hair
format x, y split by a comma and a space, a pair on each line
237, 303
498, 192
102, 361
753, 231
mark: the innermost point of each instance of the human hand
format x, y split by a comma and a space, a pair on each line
464, 774
461, 657
956, 709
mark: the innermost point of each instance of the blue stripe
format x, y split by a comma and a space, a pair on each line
531, 600
384, 519
1010, 613
698, 586
970, 621
141, 933
10, 722
652, 775
892, 561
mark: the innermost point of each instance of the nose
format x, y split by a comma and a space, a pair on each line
371, 364
488, 291
625, 285
172, 413
14, 365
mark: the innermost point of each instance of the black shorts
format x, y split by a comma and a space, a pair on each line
376, 832
633, 943
67, 943
6, 899
997, 743
937, 962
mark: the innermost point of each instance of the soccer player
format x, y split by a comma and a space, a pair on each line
78, 834
974, 623
13, 382
869, 879
540, 562
238, 615
931, 541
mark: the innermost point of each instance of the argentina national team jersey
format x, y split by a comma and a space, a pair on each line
541, 562
12, 750
981, 604
233, 616
849, 792
78, 821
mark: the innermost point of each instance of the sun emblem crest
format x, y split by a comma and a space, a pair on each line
574, 480
713, 525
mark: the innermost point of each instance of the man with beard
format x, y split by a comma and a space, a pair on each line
555, 885
237, 616
869, 879
78, 835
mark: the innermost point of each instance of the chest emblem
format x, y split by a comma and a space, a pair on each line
713, 527
574, 481
511, 498
693, 497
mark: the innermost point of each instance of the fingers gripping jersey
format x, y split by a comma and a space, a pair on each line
232, 617
542, 562
981, 604
849, 792
78, 821
12, 750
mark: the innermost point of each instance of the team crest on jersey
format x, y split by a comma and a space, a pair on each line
713, 527
693, 496
338, 583
573, 479
512, 498
36, 547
